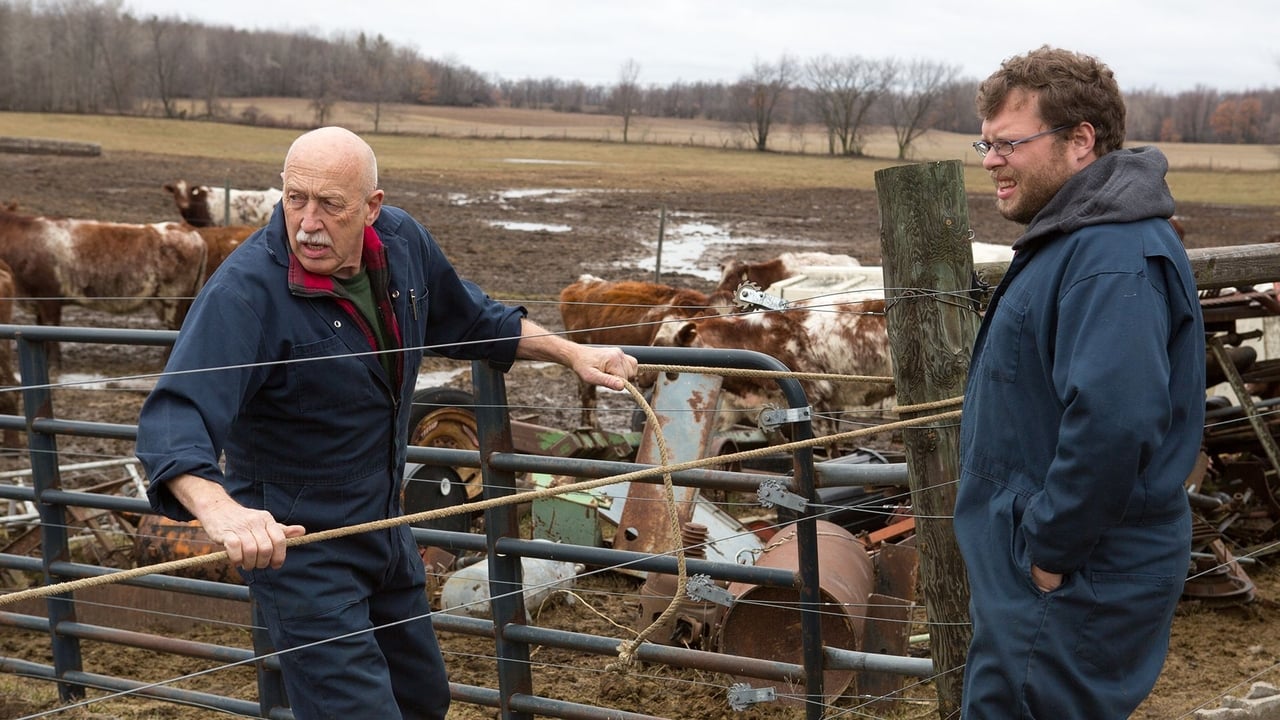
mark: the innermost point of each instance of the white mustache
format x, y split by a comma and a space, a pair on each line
320, 238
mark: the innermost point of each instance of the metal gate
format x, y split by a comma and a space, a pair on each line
516, 695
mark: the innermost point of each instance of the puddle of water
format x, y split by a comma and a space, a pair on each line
691, 246
696, 248
530, 227
547, 195
540, 161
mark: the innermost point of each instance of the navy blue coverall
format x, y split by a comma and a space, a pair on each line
314, 431
1083, 416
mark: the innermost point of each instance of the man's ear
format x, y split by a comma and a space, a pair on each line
1082, 138
373, 206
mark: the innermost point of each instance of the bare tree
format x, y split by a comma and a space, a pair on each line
168, 48
377, 55
1146, 113
956, 112
756, 95
843, 90
119, 45
1192, 110
626, 95
917, 90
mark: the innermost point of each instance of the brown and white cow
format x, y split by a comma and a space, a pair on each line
767, 272
205, 206
627, 312
222, 241
819, 335
113, 267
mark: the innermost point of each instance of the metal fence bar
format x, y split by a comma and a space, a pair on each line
37, 402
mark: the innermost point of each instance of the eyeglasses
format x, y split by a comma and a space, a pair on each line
1004, 148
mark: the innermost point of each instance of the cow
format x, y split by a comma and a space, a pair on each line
112, 267
628, 312
205, 206
817, 335
221, 241
765, 273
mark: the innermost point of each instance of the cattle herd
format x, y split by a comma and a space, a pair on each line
841, 333
47, 262
121, 268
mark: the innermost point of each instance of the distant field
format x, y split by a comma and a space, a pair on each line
540, 148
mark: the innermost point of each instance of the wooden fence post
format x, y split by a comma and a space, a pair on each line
928, 261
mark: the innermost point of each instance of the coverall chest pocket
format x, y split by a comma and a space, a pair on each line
1004, 337
325, 375
414, 330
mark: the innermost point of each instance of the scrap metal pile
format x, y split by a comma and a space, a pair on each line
1232, 491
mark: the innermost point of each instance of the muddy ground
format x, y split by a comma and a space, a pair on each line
1215, 651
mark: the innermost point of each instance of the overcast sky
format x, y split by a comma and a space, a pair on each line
1169, 45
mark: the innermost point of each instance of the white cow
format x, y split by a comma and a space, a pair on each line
205, 206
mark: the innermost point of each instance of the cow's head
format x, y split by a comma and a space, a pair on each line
180, 194
192, 202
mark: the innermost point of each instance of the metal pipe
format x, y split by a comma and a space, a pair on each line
24, 668
162, 692
37, 401
667, 564
506, 601
653, 652
839, 658
158, 643
572, 711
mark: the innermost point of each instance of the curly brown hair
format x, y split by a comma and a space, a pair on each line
1073, 88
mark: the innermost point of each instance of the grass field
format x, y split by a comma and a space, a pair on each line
544, 148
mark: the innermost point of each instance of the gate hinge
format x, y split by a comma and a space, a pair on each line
742, 696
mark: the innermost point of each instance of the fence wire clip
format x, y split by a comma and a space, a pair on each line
771, 418
773, 492
742, 696
703, 588
749, 296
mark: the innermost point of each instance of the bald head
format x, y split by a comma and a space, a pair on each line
340, 152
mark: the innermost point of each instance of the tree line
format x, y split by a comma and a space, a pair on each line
91, 56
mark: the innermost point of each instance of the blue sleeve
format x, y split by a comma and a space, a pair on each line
183, 425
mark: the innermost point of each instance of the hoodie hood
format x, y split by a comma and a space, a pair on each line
1119, 187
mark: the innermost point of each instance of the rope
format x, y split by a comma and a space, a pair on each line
476, 506
627, 648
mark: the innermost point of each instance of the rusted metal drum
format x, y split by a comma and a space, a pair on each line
764, 622
162, 540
